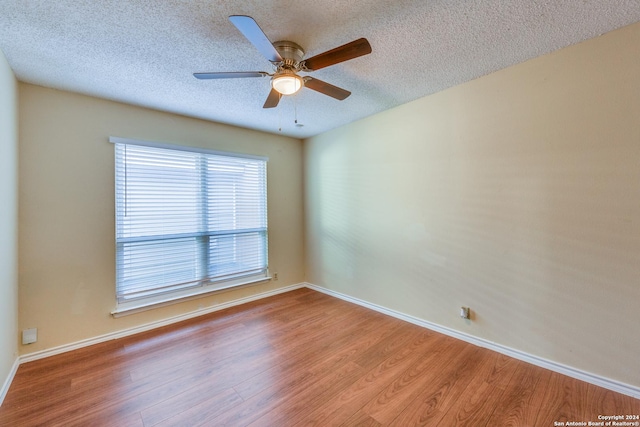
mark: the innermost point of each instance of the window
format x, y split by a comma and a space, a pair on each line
188, 221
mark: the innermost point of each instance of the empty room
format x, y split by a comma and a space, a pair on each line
326, 213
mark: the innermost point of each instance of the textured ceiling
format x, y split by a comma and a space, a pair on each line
143, 52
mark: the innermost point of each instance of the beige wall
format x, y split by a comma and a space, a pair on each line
66, 235
8, 219
517, 194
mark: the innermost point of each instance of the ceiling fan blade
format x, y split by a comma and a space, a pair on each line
326, 88
272, 99
252, 31
230, 75
342, 53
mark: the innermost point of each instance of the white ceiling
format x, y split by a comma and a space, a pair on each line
143, 52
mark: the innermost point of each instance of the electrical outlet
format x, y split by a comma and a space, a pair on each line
465, 313
275, 276
29, 336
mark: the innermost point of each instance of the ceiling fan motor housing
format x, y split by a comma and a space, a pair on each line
290, 52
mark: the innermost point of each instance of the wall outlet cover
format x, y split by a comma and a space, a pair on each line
29, 336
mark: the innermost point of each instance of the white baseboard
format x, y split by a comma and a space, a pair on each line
153, 325
600, 381
569, 371
7, 383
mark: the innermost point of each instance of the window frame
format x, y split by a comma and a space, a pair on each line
200, 286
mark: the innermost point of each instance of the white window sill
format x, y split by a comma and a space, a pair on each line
133, 307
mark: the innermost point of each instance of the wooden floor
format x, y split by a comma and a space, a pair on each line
297, 359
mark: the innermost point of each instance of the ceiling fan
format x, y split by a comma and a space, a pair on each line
288, 59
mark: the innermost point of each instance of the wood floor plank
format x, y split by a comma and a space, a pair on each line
321, 387
442, 392
514, 407
362, 420
404, 389
338, 348
480, 397
296, 359
260, 411
340, 408
563, 400
191, 412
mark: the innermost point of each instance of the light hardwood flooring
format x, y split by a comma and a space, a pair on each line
297, 359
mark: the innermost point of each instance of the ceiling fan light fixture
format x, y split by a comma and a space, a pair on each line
287, 58
286, 82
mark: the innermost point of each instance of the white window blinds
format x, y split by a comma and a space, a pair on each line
187, 222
